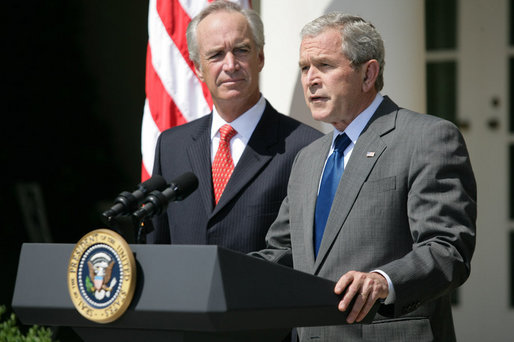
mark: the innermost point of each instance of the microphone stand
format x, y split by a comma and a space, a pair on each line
133, 230
143, 228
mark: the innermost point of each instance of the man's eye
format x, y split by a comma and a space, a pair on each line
215, 55
241, 51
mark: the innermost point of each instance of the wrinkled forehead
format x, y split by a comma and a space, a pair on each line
223, 20
328, 42
223, 27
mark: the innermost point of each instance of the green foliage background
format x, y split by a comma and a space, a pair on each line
10, 332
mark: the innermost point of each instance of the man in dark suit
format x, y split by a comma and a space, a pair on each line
226, 45
390, 214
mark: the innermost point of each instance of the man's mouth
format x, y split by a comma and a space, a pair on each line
318, 98
231, 81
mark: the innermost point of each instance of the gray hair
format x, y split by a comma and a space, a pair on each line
361, 41
254, 21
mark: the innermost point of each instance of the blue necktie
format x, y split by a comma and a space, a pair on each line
331, 175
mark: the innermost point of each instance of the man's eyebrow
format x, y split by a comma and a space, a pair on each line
215, 49
243, 45
302, 60
312, 59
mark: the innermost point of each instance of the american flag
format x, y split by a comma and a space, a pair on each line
174, 94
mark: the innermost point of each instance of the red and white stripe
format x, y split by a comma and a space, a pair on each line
174, 94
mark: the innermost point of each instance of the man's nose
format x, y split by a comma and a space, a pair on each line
312, 77
230, 63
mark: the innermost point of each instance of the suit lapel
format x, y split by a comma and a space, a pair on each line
356, 172
200, 158
256, 155
313, 176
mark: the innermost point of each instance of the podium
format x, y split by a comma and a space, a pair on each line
183, 293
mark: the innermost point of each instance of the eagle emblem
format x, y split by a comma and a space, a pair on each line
101, 276
100, 270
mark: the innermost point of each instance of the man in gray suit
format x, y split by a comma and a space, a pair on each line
398, 226
226, 45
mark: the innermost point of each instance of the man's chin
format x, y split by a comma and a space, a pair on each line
231, 95
321, 116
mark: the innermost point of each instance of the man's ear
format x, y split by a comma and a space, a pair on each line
370, 74
261, 60
198, 71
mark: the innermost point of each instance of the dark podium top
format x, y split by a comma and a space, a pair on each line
183, 293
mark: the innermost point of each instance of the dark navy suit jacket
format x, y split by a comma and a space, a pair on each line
253, 194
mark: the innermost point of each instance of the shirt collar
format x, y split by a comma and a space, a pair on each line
244, 125
356, 127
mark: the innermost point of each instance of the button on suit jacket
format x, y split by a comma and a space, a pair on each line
253, 194
406, 204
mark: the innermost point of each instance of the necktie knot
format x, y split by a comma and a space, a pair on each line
227, 132
341, 143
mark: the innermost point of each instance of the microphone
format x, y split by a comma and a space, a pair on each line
127, 202
156, 201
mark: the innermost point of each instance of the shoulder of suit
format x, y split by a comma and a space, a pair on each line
418, 119
318, 145
290, 124
406, 116
296, 124
191, 127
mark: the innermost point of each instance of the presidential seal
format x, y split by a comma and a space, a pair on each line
102, 276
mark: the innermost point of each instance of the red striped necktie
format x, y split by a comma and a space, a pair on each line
223, 164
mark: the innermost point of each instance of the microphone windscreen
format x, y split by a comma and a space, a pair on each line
156, 182
185, 184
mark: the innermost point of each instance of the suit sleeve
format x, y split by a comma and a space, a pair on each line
441, 207
278, 239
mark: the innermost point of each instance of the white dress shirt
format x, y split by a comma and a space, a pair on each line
244, 126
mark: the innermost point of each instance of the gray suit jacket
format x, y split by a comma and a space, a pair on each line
406, 204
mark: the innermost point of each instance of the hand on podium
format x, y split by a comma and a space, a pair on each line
368, 287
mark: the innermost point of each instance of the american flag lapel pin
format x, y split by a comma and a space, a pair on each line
370, 154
